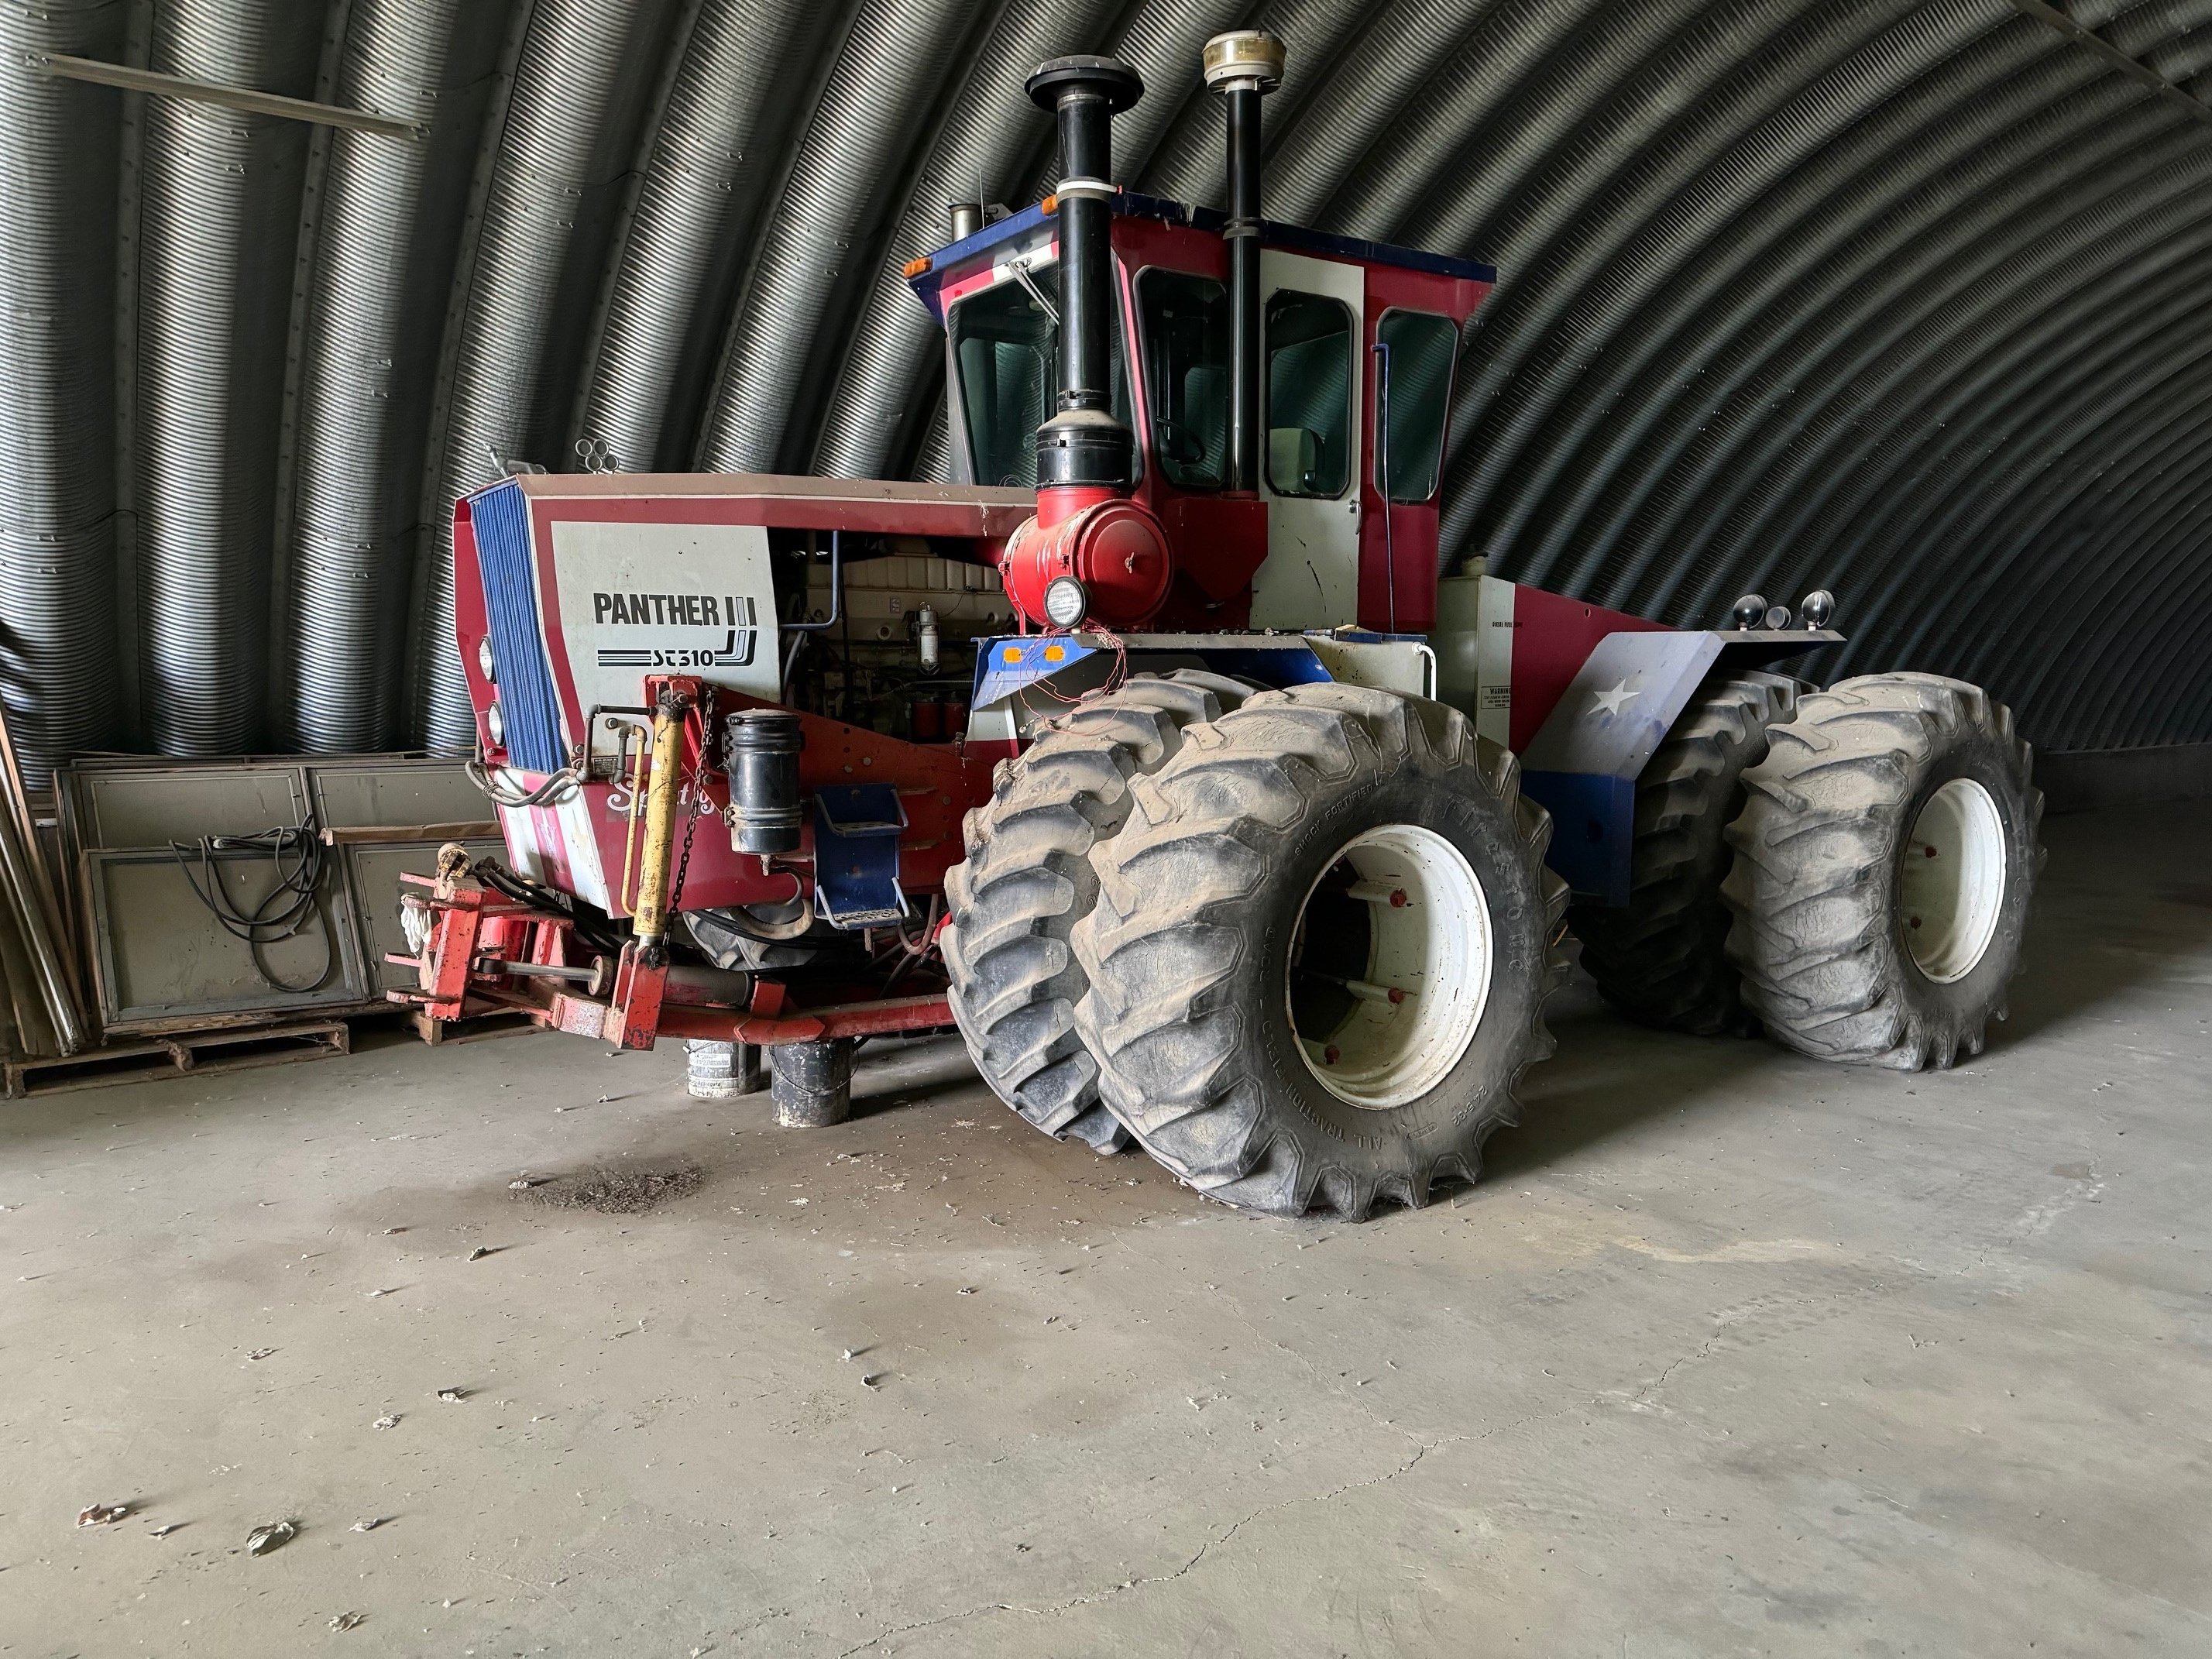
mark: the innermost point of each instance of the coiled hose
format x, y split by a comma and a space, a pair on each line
295, 856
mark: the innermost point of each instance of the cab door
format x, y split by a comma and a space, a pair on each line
1309, 465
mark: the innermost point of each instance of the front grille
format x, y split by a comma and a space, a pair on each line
529, 710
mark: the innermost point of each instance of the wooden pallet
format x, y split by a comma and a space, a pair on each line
226, 1049
473, 1028
245, 1021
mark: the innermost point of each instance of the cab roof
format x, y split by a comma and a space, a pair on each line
928, 275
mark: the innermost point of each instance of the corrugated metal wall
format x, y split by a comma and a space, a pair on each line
1905, 298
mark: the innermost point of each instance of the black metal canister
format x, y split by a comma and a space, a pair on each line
760, 751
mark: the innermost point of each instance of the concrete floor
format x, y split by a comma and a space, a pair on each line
1729, 1354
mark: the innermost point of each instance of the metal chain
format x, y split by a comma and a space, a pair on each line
691, 814
684, 862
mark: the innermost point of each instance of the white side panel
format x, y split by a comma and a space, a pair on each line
1310, 577
644, 598
1401, 665
992, 724
1457, 638
587, 877
528, 830
521, 837
1493, 662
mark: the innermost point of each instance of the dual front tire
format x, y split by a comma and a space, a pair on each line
1320, 954
1310, 959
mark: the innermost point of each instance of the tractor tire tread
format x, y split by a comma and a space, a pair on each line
1810, 889
1169, 934
1027, 879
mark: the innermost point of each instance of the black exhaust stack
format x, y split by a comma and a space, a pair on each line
1083, 445
1244, 66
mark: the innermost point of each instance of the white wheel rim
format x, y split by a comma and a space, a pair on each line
1429, 943
1953, 883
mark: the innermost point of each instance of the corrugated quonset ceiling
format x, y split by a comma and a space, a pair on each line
1906, 298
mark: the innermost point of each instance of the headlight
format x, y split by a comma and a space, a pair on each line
484, 659
1064, 602
496, 724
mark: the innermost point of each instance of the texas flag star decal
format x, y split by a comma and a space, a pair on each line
1611, 702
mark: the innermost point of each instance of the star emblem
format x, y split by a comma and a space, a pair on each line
1611, 702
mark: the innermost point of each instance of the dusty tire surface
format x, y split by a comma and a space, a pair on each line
1202, 900
1027, 880
1822, 934
1661, 958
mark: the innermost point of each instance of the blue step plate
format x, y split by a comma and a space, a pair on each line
856, 853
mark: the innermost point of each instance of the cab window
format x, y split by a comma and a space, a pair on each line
1309, 384
1412, 398
1184, 325
1005, 348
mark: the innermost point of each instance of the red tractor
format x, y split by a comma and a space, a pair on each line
1242, 835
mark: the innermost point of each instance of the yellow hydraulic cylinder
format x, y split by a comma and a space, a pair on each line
649, 916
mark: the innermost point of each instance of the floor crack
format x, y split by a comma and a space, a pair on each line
1702, 1351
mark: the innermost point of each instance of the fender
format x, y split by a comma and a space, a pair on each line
1583, 764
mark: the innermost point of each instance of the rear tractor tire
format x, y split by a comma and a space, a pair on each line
1886, 859
1027, 880
1661, 958
1319, 958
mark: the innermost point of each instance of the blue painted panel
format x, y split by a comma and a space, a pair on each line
1593, 829
1276, 666
1005, 664
528, 708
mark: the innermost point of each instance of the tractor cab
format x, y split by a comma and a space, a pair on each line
1357, 342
